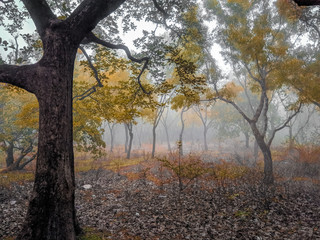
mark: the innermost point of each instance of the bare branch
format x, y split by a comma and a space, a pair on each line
284, 124
92, 38
91, 66
250, 73
87, 93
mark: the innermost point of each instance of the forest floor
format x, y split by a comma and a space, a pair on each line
128, 204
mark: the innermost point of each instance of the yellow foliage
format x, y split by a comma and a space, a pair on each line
289, 10
230, 91
29, 115
6, 179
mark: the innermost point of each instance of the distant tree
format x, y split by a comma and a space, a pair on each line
256, 43
203, 111
18, 128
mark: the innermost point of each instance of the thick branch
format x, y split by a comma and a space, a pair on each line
88, 14
92, 38
263, 98
41, 14
19, 76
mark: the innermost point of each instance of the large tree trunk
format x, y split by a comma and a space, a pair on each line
51, 213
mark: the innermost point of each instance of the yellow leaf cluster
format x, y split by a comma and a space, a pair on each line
230, 91
289, 10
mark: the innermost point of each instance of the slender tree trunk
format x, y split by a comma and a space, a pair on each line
51, 213
129, 127
180, 142
111, 127
247, 136
205, 130
267, 157
291, 139
255, 151
9, 157
167, 136
127, 138
153, 140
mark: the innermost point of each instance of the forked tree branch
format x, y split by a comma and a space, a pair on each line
96, 76
92, 38
284, 124
88, 14
86, 93
40, 13
160, 9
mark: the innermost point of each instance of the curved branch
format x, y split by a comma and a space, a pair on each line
284, 124
87, 93
92, 38
91, 66
40, 13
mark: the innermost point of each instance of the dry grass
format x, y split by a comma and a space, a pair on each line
16, 176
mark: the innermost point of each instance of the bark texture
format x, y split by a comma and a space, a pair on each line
51, 213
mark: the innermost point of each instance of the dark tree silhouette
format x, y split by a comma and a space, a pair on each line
51, 212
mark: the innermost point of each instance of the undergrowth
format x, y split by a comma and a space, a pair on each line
16, 176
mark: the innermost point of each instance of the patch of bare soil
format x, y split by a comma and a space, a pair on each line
139, 209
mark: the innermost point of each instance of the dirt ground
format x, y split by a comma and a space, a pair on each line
120, 208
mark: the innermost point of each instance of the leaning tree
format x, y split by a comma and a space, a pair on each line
62, 27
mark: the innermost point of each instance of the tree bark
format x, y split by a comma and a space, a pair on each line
51, 213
